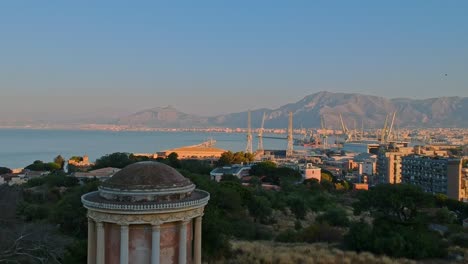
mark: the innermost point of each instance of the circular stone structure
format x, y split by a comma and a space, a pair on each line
146, 213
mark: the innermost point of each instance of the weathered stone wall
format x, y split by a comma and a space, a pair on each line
140, 244
112, 238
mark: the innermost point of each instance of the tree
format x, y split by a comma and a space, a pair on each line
5, 170
298, 207
264, 168
38, 165
445, 216
259, 208
229, 158
226, 158
395, 202
400, 225
60, 161
335, 216
173, 160
325, 176
320, 232
359, 237
115, 160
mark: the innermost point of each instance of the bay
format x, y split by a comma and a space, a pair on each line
20, 147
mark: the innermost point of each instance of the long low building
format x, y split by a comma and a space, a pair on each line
101, 174
205, 150
236, 170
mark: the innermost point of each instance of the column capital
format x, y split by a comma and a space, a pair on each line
156, 222
123, 225
156, 227
185, 221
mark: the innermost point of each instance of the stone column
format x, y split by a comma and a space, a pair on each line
91, 242
183, 242
101, 247
155, 244
198, 242
124, 244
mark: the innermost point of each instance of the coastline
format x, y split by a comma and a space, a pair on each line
116, 128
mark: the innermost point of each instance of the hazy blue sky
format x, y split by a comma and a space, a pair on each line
209, 57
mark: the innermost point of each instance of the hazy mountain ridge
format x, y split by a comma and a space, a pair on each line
355, 109
167, 117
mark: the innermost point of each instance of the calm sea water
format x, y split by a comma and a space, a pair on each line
20, 147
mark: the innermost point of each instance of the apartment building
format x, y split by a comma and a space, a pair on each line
436, 175
388, 167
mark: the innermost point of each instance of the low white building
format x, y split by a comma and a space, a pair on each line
101, 174
309, 171
236, 170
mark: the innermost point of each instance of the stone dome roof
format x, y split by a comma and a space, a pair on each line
147, 175
146, 186
146, 181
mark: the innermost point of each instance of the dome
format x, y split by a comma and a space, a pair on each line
147, 181
147, 175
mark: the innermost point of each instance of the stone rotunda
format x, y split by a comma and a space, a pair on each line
146, 213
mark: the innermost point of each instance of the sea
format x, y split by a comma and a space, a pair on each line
21, 147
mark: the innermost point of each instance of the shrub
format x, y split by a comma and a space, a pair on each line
335, 216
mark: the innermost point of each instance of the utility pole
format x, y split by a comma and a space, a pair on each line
248, 148
289, 150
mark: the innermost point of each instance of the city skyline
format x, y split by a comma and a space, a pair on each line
88, 59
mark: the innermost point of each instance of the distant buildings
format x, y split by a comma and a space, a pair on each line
19, 177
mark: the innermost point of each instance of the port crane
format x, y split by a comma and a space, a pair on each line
384, 130
390, 131
386, 133
324, 132
260, 134
346, 132
248, 148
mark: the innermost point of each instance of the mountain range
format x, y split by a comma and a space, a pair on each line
356, 109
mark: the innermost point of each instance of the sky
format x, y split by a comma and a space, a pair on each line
83, 59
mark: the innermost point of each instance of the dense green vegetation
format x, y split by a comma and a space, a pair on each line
229, 158
39, 165
394, 220
400, 223
4, 170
